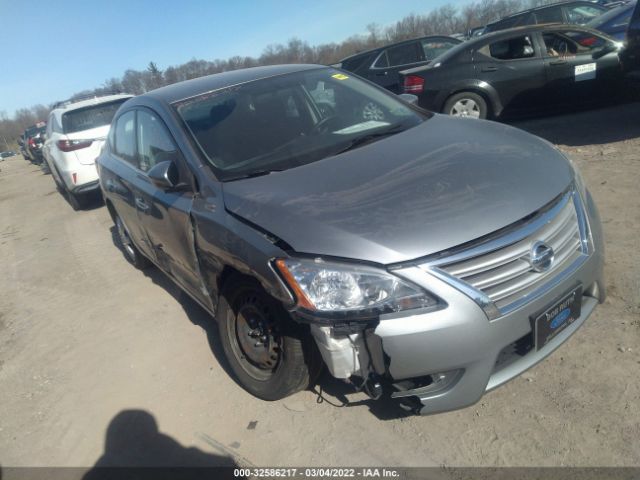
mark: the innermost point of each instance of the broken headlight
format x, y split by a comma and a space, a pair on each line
327, 287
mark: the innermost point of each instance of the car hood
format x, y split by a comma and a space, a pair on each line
435, 186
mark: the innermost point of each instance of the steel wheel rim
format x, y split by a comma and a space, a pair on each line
466, 107
254, 338
371, 111
125, 240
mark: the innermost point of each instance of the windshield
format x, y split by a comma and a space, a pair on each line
90, 117
286, 121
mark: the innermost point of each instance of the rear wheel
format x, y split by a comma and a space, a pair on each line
467, 105
131, 252
270, 355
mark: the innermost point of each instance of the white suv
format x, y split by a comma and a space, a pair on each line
76, 132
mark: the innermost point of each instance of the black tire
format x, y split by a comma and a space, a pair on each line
466, 104
130, 251
286, 361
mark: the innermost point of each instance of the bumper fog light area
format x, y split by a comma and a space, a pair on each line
427, 386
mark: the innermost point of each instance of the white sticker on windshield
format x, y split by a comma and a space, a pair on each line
359, 127
585, 72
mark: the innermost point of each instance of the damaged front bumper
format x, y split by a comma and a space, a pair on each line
447, 359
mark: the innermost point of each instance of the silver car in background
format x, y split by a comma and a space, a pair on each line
324, 220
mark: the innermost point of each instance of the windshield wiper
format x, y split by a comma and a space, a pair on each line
255, 173
363, 140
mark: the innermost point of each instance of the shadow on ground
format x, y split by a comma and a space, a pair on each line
593, 127
133, 440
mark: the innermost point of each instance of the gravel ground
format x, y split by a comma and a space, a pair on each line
90, 346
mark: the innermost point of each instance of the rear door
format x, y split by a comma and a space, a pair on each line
392, 60
514, 67
165, 214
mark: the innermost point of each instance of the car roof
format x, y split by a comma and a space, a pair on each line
382, 47
87, 102
541, 27
198, 86
65, 107
551, 5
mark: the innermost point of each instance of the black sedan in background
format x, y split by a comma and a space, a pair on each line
577, 12
381, 65
525, 68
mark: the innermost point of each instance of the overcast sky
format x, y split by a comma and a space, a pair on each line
53, 49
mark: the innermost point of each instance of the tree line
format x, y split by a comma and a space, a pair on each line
445, 20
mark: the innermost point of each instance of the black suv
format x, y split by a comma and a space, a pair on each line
574, 13
381, 65
33, 139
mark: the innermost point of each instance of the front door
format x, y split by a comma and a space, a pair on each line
165, 214
578, 69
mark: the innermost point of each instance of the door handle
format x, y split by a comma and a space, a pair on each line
558, 62
381, 74
489, 69
141, 204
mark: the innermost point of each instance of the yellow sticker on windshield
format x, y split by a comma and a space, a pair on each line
340, 76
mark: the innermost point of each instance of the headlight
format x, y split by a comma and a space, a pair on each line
333, 287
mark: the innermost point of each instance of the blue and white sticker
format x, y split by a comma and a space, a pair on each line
585, 72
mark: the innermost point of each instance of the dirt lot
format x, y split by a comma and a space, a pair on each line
84, 337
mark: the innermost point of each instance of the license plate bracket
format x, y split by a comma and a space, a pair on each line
557, 317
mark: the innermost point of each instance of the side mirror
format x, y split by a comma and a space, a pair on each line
409, 98
164, 175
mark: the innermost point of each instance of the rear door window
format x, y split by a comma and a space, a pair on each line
581, 14
402, 55
433, 48
512, 48
124, 137
549, 15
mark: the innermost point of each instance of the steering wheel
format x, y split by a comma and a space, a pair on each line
326, 109
323, 125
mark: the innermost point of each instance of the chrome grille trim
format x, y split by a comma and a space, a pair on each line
497, 273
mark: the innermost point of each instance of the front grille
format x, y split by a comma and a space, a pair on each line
503, 271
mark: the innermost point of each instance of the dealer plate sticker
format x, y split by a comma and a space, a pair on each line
585, 72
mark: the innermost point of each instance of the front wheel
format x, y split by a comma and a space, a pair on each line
131, 252
466, 105
269, 354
